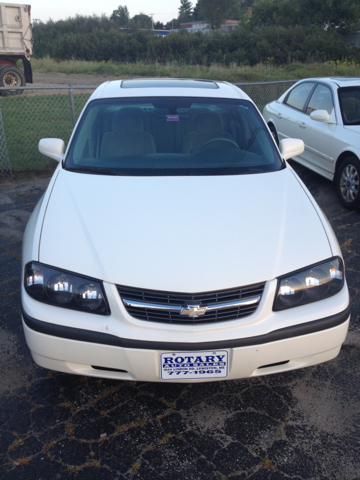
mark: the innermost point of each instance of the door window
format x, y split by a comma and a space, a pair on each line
299, 95
321, 99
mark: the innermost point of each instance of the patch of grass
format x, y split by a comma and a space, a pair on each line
28, 118
234, 73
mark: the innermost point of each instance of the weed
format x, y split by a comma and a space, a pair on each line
16, 443
69, 429
135, 467
93, 463
47, 446
22, 461
266, 463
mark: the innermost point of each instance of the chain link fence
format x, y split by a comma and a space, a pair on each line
264, 92
45, 112
35, 113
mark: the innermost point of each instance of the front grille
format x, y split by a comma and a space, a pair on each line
204, 299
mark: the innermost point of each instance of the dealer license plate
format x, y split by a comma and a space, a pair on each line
194, 365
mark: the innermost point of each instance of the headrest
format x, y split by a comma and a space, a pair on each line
128, 121
208, 123
350, 104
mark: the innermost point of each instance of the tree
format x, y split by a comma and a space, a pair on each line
339, 14
215, 11
276, 12
159, 26
185, 9
142, 21
172, 24
121, 16
236, 11
196, 12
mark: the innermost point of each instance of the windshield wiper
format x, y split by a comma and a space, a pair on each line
95, 170
240, 156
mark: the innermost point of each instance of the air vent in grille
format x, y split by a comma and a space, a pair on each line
136, 299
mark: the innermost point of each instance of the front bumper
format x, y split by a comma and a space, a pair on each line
86, 352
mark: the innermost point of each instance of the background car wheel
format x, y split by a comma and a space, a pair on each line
348, 182
274, 134
11, 76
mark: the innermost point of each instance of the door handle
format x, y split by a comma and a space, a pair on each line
279, 115
302, 125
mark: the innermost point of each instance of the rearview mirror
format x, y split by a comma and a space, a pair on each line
291, 147
320, 115
53, 148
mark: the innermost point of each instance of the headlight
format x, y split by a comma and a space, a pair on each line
64, 289
309, 285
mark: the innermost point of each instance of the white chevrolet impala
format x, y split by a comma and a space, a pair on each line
175, 244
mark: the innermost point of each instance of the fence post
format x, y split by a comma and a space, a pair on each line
72, 105
4, 155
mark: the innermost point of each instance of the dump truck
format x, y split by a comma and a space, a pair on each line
16, 44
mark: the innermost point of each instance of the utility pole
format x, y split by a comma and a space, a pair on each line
152, 20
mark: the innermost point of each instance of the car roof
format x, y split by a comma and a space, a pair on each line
168, 87
339, 81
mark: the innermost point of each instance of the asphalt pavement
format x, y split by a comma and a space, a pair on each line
303, 424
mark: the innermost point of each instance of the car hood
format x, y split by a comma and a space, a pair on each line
187, 234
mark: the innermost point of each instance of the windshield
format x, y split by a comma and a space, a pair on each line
349, 98
172, 136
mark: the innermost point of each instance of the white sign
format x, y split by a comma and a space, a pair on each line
194, 365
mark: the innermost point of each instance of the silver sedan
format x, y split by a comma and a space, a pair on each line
325, 114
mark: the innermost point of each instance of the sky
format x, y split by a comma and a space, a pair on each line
163, 10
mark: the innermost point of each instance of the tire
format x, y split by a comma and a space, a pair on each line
348, 182
274, 134
11, 76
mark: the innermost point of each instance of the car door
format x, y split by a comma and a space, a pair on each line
287, 113
316, 135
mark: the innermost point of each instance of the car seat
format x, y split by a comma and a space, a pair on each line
208, 126
128, 136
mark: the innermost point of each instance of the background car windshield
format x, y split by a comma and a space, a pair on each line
349, 98
172, 136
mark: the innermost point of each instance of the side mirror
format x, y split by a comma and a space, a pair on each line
320, 115
53, 148
291, 147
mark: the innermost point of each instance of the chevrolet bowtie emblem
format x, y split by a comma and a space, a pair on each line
193, 311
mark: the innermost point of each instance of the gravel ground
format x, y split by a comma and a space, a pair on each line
303, 424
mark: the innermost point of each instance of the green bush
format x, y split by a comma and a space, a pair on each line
100, 39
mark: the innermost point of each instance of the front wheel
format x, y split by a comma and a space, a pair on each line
11, 76
347, 182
